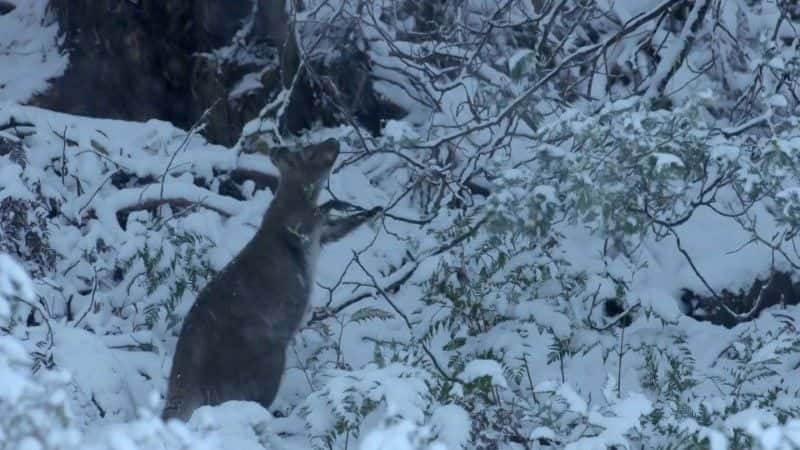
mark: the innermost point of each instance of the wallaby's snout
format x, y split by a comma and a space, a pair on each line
315, 160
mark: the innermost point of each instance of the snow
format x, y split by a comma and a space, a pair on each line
675, 50
478, 368
125, 198
14, 383
777, 63
233, 425
725, 152
546, 193
574, 401
403, 435
28, 51
399, 130
108, 374
117, 361
13, 282
665, 160
249, 82
542, 432
10, 176
778, 101
451, 424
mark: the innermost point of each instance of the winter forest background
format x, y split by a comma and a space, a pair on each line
589, 237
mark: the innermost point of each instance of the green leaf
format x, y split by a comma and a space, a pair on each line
369, 313
455, 343
521, 63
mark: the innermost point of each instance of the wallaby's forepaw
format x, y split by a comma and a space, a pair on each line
336, 229
375, 211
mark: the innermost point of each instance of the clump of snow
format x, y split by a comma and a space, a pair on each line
478, 368
546, 192
14, 282
542, 433
775, 437
232, 425
725, 152
451, 424
402, 435
575, 402
101, 377
778, 101
399, 131
665, 160
394, 386
248, 83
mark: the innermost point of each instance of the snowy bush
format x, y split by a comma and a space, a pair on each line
398, 434
34, 407
170, 267
35, 411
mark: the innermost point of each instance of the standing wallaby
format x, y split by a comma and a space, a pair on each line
233, 341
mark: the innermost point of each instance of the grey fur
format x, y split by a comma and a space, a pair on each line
233, 341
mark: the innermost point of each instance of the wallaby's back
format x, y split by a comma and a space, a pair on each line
233, 341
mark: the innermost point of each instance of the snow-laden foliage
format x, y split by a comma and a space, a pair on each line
35, 413
27, 47
566, 169
35, 409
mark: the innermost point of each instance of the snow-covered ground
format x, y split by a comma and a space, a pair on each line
108, 318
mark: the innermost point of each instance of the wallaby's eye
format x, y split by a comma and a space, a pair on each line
274, 156
283, 158
296, 160
324, 157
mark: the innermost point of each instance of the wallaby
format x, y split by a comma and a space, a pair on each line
233, 341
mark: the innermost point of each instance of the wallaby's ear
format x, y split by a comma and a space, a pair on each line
254, 144
272, 154
329, 144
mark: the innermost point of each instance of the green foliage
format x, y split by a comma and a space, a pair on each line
628, 175
349, 397
172, 267
370, 313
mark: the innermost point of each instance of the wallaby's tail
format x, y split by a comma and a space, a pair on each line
170, 410
181, 402
172, 403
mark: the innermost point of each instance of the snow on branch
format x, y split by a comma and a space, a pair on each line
174, 194
674, 56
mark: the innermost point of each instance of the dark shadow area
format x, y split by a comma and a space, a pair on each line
731, 308
159, 59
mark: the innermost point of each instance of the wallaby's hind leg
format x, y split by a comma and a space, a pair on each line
271, 369
258, 378
182, 408
185, 391
183, 397
231, 371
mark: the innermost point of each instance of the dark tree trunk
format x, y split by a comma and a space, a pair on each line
136, 60
143, 59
